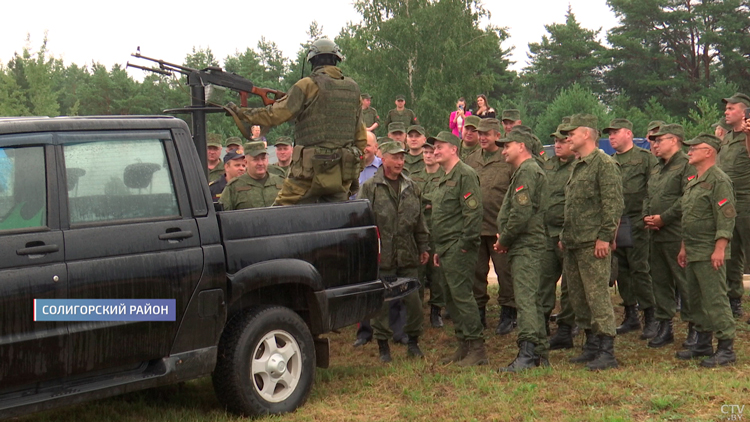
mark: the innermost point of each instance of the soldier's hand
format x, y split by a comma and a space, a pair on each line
435, 260
560, 245
682, 257
424, 257
717, 259
601, 250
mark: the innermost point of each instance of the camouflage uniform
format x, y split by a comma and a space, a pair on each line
708, 212
278, 170
494, 178
430, 274
216, 173
413, 163
553, 204
403, 237
329, 135
245, 192
520, 224
593, 206
370, 117
665, 188
633, 278
456, 223
405, 116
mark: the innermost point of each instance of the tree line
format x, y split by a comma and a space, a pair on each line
669, 60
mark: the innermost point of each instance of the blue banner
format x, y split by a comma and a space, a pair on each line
104, 309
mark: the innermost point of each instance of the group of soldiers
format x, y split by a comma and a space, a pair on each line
663, 223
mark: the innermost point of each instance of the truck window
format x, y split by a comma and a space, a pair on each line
118, 180
23, 191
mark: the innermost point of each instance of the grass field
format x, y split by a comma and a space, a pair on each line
648, 385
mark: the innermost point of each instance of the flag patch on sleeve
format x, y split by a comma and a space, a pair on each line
691, 177
519, 188
722, 202
468, 194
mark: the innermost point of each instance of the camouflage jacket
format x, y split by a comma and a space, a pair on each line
398, 215
593, 201
635, 169
665, 188
553, 196
216, 173
278, 170
520, 222
405, 116
735, 162
245, 192
494, 178
457, 210
413, 163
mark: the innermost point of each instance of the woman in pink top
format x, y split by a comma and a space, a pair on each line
457, 117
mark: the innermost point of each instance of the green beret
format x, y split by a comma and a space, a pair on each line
486, 125
472, 121
704, 138
578, 120
618, 124
511, 114
255, 148
284, 140
233, 140
417, 128
669, 129
391, 147
737, 98
396, 127
445, 136
655, 125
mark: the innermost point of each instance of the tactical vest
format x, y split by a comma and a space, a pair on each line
331, 118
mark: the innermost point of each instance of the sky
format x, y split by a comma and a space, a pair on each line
86, 31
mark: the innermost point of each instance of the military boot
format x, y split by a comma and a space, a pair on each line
692, 337
435, 320
650, 324
562, 338
526, 359
605, 359
458, 354
385, 351
412, 348
724, 354
483, 316
590, 349
702, 347
736, 305
664, 336
477, 354
507, 321
630, 322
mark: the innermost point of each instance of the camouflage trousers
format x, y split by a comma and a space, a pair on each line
505, 296
633, 277
709, 300
525, 271
552, 268
318, 175
412, 302
740, 249
588, 287
458, 267
668, 277
303, 191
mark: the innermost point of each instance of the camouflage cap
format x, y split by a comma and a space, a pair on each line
511, 114
486, 125
365, 96
556, 134
255, 148
655, 125
213, 144
520, 136
417, 128
383, 139
400, 97
214, 139
618, 124
396, 127
445, 136
284, 140
565, 120
232, 156
233, 140
578, 120
737, 98
669, 129
391, 147
723, 124
472, 121
704, 138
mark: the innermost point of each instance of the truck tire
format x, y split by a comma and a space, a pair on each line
266, 362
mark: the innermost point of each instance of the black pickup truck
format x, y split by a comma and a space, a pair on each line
118, 208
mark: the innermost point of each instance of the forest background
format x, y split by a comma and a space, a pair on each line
670, 60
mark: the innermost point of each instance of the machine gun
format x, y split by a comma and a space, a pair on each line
199, 80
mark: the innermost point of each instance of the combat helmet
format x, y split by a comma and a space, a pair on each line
322, 47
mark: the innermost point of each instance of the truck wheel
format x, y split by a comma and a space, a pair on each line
266, 362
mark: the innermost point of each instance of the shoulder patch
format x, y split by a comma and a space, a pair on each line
729, 211
523, 198
472, 202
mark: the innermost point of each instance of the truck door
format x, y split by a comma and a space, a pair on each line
128, 235
31, 263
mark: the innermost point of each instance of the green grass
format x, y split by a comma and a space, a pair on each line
648, 385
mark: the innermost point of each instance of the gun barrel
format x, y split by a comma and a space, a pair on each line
166, 65
150, 69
